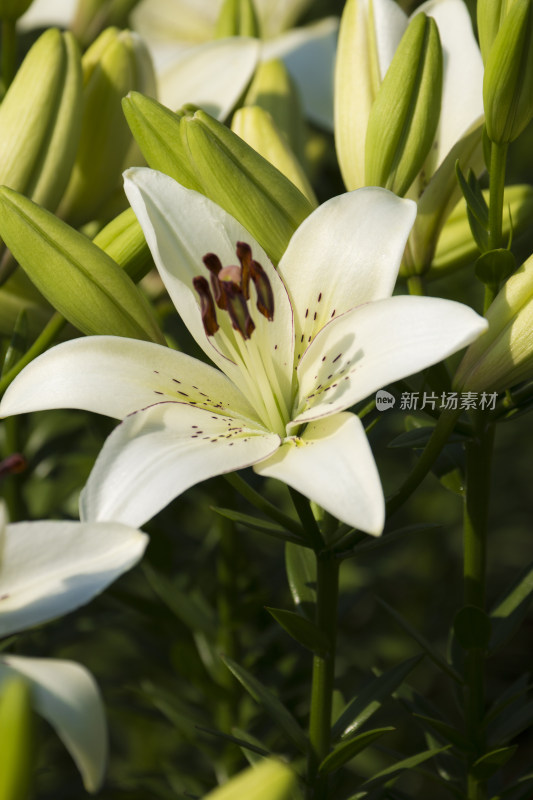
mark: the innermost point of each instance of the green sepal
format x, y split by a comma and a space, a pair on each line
76, 277
16, 738
237, 18
511, 610
300, 564
302, 630
404, 116
347, 750
123, 240
370, 698
270, 703
495, 266
488, 764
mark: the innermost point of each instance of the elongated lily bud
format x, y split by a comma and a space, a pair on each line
257, 128
40, 120
508, 81
116, 63
13, 9
244, 183
503, 356
405, 113
490, 15
76, 277
16, 735
273, 89
93, 16
124, 241
237, 18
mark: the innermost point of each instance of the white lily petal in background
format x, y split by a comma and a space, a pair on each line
309, 55
276, 16
162, 21
462, 90
347, 252
67, 696
45, 13
332, 464
116, 376
154, 455
51, 568
376, 344
213, 75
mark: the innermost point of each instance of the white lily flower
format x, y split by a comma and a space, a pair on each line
47, 13
172, 29
46, 570
326, 335
370, 33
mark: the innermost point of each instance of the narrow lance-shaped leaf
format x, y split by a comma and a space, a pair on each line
302, 630
300, 564
347, 750
389, 773
511, 610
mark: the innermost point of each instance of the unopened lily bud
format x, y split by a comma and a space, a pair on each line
490, 15
83, 283
233, 175
237, 18
257, 128
116, 63
93, 16
124, 241
503, 356
508, 81
16, 735
13, 9
269, 780
40, 120
273, 89
405, 114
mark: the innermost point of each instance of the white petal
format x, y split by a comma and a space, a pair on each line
278, 15
462, 91
154, 455
44, 13
67, 696
309, 55
175, 20
115, 376
347, 252
376, 344
181, 226
212, 75
51, 568
332, 464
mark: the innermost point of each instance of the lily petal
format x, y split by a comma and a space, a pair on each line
347, 252
212, 75
67, 696
51, 568
278, 15
332, 464
154, 455
376, 344
45, 13
160, 21
309, 55
115, 376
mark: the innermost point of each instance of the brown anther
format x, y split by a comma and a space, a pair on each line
12, 465
265, 295
207, 306
244, 254
212, 262
238, 310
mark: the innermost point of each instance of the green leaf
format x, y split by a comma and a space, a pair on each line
191, 609
417, 438
300, 563
511, 609
348, 749
400, 766
477, 209
270, 703
252, 748
472, 627
448, 732
491, 762
511, 722
302, 629
495, 266
370, 698
270, 780
256, 524
423, 642
247, 745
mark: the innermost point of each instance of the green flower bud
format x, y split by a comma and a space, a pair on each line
16, 735
508, 81
270, 780
490, 15
258, 129
116, 63
273, 89
93, 16
503, 356
456, 248
237, 18
40, 120
124, 241
83, 283
13, 9
241, 181
405, 114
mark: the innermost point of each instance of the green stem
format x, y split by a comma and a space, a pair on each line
44, 340
309, 523
9, 53
415, 285
478, 477
498, 158
323, 677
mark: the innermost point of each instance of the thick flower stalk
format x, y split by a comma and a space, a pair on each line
295, 348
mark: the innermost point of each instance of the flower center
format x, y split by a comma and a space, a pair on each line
230, 291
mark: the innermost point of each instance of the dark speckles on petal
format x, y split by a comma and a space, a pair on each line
337, 358
319, 297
